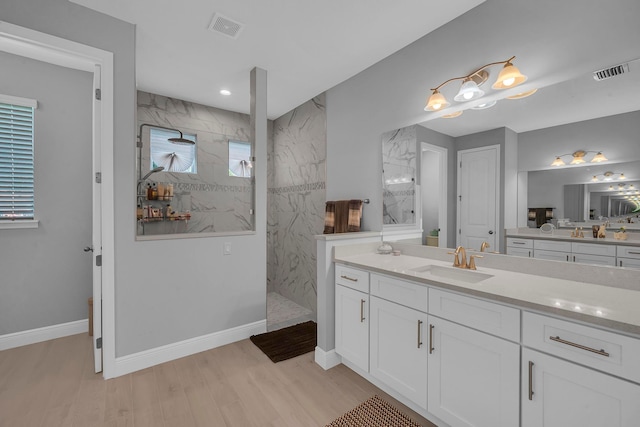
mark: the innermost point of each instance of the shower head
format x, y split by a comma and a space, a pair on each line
178, 141
154, 170
181, 140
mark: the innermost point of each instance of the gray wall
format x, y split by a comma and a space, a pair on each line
46, 277
391, 94
171, 290
297, 201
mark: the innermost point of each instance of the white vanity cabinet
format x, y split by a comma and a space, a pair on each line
584, 390
628, 256
399, 349
474, 377
557, 393
520, 247
352, 316
553, 251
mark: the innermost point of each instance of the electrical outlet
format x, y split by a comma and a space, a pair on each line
226, 248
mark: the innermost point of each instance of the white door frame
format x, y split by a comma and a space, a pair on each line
54, 50
442, 188
497, 231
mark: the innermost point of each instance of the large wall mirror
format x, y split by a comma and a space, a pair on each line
194, 170
559, 119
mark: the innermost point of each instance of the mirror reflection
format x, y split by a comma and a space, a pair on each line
581, 114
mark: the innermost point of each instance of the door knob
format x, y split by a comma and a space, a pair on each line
88, 249
490, 231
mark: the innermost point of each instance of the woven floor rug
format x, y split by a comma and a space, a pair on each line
288, 342
374, 412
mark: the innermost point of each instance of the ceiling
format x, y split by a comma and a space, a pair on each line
306, 47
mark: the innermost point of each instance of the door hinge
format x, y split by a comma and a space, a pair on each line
99, 343
99, 177
460, 163
250, 211
253, 159
98, 94
98, 260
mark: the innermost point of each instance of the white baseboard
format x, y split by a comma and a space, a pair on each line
155, 356
327, 359
32, 336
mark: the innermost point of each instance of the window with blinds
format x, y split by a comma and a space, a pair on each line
16, 158
172, 157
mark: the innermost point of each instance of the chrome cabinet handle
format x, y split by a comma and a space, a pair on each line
419, 333
518, 243
601, 352
349, 278
431, 339
531, 380
362, 310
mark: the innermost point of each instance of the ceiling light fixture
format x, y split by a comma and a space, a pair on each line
452, 115
522, 94
509, 77
578, 158
225, 92
484, 106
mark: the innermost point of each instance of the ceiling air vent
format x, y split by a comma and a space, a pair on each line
607, 73
225, 26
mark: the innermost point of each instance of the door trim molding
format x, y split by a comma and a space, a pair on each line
44, 47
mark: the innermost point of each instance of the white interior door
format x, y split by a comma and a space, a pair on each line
97, 225
478, 197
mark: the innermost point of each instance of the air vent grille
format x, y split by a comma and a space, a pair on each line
607, 73
225, 26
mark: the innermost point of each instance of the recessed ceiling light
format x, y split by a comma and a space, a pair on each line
225, 92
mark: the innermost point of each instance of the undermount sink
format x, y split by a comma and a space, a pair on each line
468, 276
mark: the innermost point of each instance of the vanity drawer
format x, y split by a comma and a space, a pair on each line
519, 243
628, 252
485, 316
400, 291
607, 351
593, 249
352, 278
548, 245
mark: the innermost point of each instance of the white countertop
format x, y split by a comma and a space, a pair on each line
633, 239
614, 308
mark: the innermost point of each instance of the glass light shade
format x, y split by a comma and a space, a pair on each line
594, 179
622, 176
436, 102
468, 91
599, 158
452, 115
558, 162
509, 77
485, 105
577, 160
523, 94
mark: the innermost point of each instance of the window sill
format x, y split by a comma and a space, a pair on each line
23, 223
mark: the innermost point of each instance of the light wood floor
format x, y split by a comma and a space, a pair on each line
52, 384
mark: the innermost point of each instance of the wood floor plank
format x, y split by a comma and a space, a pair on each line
52, 384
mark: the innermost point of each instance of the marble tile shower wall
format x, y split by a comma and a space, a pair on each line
217, 202
297, 201
399, 165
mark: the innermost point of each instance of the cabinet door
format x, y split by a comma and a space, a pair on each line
522, 252
629, 263
352, 326
474, 378
551, 255
399, 349
556, 393
594, 259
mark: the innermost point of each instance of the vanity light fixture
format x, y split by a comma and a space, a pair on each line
578, 158
225, 92
508, 77
523, 94
453, 115
485, 105
609, 176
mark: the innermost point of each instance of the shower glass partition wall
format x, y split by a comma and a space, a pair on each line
196, 190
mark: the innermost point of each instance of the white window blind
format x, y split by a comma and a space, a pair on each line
240, 159
16, 158
173, 157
